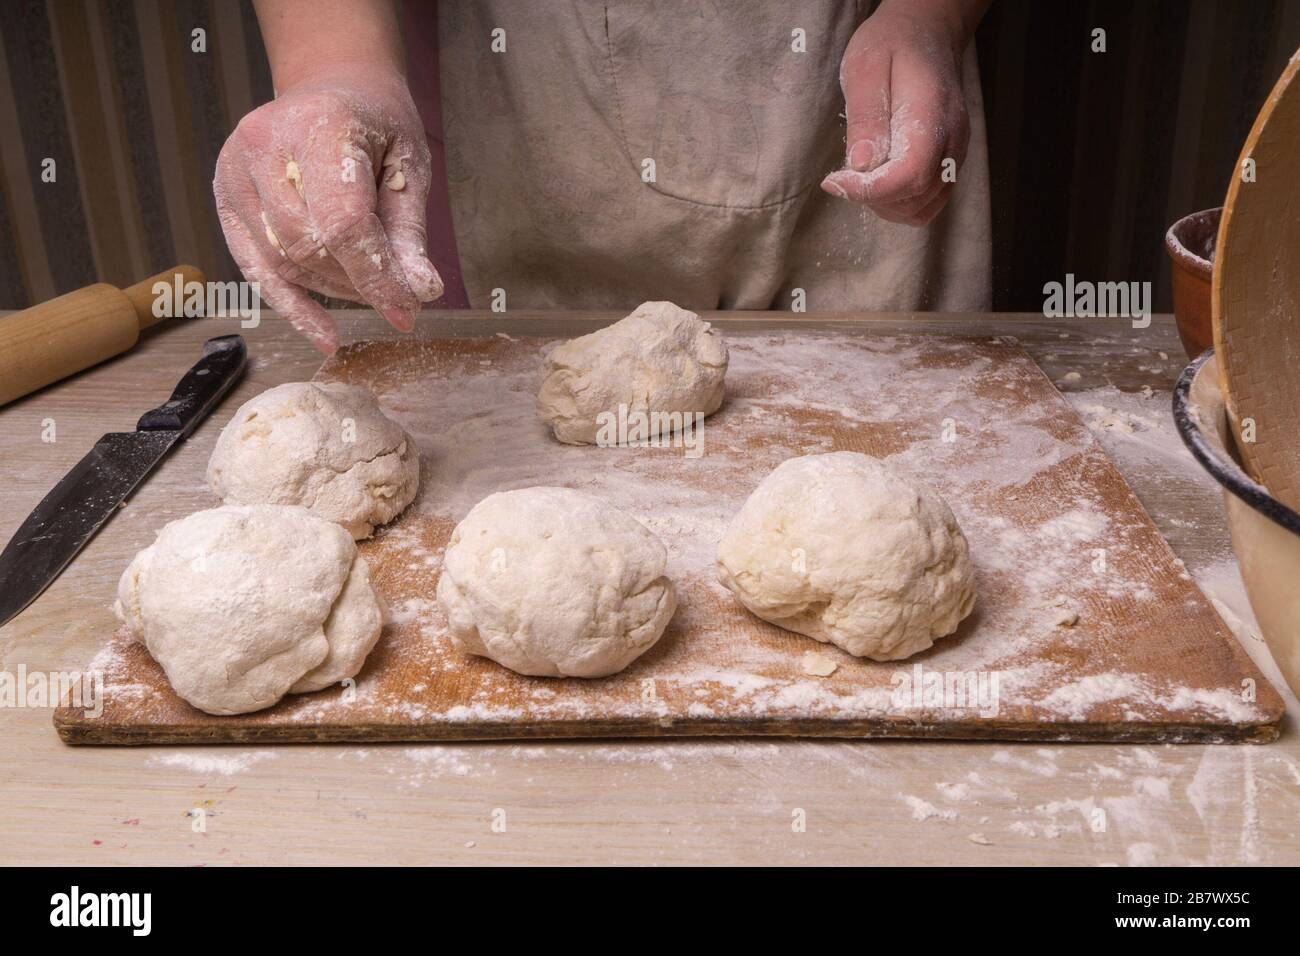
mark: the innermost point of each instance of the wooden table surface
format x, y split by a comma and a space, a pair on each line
720, 801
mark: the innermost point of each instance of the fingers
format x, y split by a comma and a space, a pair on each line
289, 233
913, 166
928, 126
288, 300
913, 211
933, 207
918, 212
864, 79
403, 194
339, 190
236, 203
908, 210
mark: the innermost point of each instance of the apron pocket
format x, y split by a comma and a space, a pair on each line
717, 100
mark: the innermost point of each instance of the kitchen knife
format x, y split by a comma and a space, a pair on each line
88, 495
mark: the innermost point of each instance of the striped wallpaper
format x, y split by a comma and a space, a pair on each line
134, 120
1092, 155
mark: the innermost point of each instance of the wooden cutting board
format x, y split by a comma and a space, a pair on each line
1053, 528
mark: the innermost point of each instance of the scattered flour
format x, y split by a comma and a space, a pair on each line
210, 762
923, 810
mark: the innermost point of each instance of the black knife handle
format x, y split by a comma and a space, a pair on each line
201, 389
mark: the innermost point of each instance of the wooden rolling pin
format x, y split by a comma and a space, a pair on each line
53, 340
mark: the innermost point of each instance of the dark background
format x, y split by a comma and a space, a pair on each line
1092, 155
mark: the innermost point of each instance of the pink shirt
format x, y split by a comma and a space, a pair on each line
420, 29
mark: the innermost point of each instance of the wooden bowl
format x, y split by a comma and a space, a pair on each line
1265, 532
1190, 245
1256, 295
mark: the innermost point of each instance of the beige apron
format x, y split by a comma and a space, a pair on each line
548, 141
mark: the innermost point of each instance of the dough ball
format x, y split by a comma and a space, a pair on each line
660, 361
555, 583
842, 549
240, 605
325, 446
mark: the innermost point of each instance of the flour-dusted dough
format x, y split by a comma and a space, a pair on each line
555, 583
243, 604
842, 549
660, 361
325, 446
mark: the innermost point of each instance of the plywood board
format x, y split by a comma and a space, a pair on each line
1051, 524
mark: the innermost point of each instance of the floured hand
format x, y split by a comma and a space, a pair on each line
901, 78
324, 188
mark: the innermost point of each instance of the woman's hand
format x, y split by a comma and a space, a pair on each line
324, 188
901, 77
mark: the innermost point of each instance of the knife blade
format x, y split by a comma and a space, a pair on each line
79, 505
